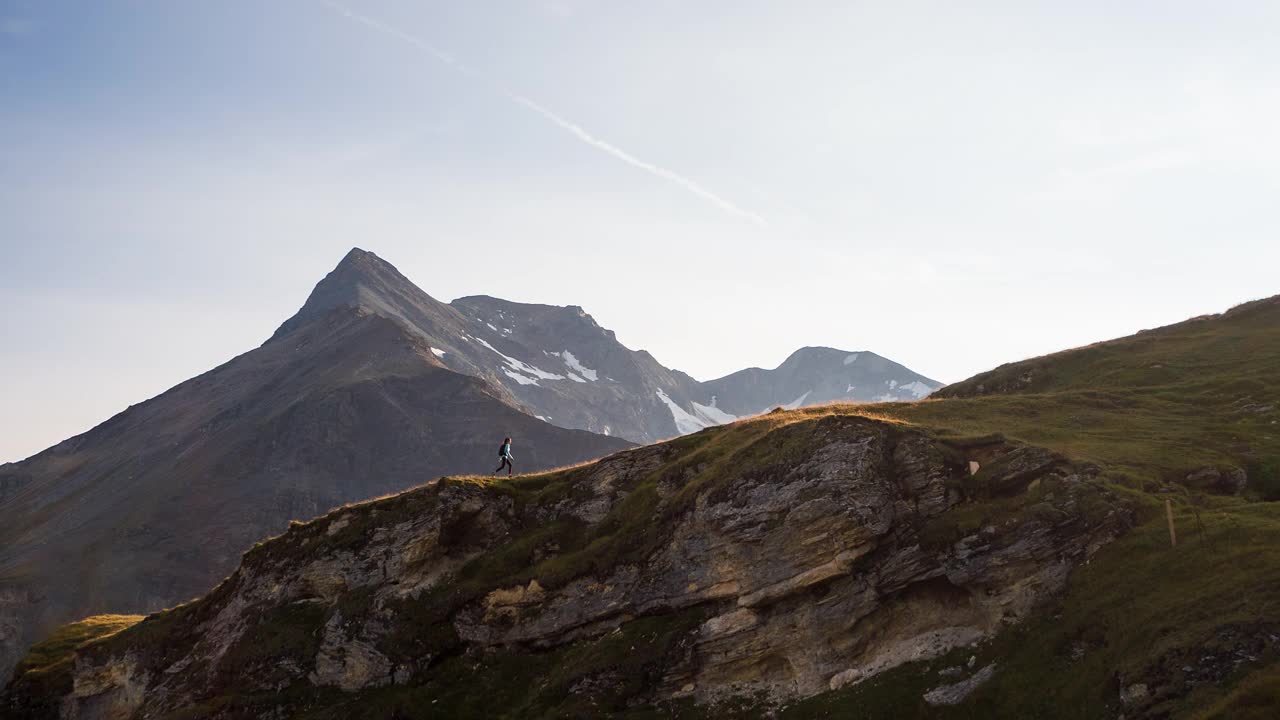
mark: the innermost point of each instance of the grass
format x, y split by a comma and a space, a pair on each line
43, 676
1154, 406
1254, 699
58, 649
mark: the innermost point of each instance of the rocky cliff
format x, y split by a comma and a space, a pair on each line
745, 566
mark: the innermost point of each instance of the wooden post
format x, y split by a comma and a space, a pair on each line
1168, 513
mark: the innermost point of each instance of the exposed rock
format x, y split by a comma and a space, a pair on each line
1135, 694
1230, 651
955, 693
1224, 481
347, 662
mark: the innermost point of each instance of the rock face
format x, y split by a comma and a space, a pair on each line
763, 561
560, 365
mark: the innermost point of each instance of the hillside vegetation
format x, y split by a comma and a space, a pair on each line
1157, 406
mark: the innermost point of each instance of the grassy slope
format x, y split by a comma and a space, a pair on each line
1155, 405
1148, 409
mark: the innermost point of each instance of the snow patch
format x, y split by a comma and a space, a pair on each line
575, 378
851, 359
522, 367
712, 414
574, 364
917, 388
685, 423
438, 352
520, 378
849, 389
491, 327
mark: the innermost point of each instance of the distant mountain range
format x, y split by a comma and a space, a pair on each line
371, 388
560, 365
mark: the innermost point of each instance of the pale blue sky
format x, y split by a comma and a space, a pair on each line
719, 182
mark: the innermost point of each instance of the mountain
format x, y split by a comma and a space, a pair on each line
817, 376
1005, 550
156, 504
560, 365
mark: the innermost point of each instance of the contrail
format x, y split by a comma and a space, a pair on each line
555, 118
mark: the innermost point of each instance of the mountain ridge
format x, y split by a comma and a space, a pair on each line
563, 366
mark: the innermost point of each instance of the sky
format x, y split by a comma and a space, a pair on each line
720, 183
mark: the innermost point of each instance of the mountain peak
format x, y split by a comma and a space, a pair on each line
360, 280
818, 353
358, 258
361, 267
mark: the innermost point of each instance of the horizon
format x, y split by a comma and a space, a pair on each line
719, 185
236, 353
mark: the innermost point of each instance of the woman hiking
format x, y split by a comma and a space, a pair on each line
504, 452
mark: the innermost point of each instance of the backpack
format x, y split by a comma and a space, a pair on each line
501, 449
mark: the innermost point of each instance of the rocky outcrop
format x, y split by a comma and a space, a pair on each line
782, 558
955, 693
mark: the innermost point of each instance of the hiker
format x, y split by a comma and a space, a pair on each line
504, 452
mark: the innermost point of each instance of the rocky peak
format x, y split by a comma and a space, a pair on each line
365, 281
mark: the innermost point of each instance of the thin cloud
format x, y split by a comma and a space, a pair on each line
553, 117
